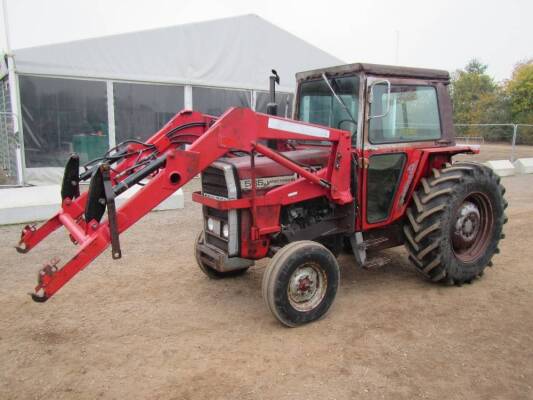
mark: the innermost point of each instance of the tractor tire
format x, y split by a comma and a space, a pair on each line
206, 269
455, 222
300, 283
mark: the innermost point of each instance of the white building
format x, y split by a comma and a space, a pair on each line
90, 94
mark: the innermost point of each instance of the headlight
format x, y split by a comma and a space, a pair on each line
225, 230
210, 224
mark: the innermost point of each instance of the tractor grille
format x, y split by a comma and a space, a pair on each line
219, 181
214, 182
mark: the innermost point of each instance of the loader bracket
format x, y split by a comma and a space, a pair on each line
70, 187
102, 196
44, 276
38, 298
26, 233
21, 249
116, 253
96, 200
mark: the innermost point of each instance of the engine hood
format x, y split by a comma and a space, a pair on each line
270, 174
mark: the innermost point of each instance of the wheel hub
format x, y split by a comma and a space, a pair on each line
307, 286
467, 225
303, 284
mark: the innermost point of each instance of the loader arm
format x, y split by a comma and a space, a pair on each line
166, 168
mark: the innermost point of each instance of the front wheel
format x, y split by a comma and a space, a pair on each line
300, 283
455, 222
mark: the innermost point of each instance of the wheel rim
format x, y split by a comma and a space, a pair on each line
472, 229
307, 287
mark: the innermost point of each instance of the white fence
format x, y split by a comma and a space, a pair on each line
505, 134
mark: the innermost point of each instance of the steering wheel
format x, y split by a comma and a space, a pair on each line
345, 120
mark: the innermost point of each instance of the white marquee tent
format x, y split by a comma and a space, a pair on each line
88, 95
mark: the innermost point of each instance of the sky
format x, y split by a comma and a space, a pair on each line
443, 34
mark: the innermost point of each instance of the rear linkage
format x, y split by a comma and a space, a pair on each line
164, 167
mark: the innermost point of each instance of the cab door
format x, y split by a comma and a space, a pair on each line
401, 118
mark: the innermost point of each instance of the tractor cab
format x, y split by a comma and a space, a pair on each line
378, 104
392, 114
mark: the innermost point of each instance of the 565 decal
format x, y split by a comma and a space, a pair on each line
267, 182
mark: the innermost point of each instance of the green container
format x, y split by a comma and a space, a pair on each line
89, 147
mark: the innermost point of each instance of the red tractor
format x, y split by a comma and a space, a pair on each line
365, 164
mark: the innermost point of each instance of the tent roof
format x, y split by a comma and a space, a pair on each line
231, 52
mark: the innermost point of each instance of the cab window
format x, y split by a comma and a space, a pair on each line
413, 115
319, 106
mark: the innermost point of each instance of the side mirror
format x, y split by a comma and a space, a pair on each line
371, 97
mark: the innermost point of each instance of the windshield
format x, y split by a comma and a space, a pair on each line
319, 106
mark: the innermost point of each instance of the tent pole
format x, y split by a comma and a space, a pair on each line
254, 100
111, 115
187, 100
14, 97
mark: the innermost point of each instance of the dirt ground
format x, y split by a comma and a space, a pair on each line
152, 326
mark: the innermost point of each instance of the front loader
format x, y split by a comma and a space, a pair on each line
365, 164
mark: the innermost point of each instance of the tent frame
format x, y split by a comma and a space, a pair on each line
188, 102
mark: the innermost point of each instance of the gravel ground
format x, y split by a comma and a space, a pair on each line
152, 326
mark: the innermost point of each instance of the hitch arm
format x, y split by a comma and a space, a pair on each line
31, 235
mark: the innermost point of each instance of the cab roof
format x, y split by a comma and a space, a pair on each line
376, 69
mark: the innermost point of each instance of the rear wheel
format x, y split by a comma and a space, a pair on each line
300, 283
455, 222
209, 271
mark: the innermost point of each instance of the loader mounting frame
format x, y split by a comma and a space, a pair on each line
165, 166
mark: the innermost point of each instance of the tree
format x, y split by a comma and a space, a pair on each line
475, 95
520, 91
476, 67
477, 99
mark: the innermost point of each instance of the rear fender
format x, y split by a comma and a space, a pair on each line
433, 158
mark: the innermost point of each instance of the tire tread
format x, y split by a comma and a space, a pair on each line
430, 205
